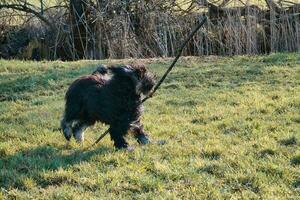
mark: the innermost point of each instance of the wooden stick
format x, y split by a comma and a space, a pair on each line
176, 58
99, 139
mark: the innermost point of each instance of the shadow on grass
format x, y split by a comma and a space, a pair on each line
30, 165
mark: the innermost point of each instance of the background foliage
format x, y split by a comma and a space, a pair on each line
97, 29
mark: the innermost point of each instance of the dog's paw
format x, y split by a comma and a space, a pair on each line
143, 139
121, 145
67, 133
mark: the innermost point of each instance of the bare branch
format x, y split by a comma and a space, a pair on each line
26, 9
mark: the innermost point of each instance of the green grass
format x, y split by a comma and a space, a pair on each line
232, 127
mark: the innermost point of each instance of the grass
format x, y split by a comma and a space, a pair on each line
231, 124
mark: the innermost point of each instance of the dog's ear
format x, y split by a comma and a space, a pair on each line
139, 69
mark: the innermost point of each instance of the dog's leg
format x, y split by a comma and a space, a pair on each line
138, 130
78, 131
117, 133
66, 128
71, 112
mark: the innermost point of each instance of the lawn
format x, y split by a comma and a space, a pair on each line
231, 125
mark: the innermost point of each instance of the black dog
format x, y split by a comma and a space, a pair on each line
110, 95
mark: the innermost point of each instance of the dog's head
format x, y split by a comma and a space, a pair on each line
140, 77
145, 80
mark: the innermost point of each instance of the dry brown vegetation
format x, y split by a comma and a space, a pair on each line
97, 29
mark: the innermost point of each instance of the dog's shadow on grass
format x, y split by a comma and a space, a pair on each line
29, 165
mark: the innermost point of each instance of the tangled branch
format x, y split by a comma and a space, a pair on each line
25, 8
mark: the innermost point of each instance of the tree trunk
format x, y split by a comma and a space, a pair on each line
78, 28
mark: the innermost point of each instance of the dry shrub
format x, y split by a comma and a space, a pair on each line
122, 29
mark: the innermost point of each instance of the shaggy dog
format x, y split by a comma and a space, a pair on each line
111, 95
